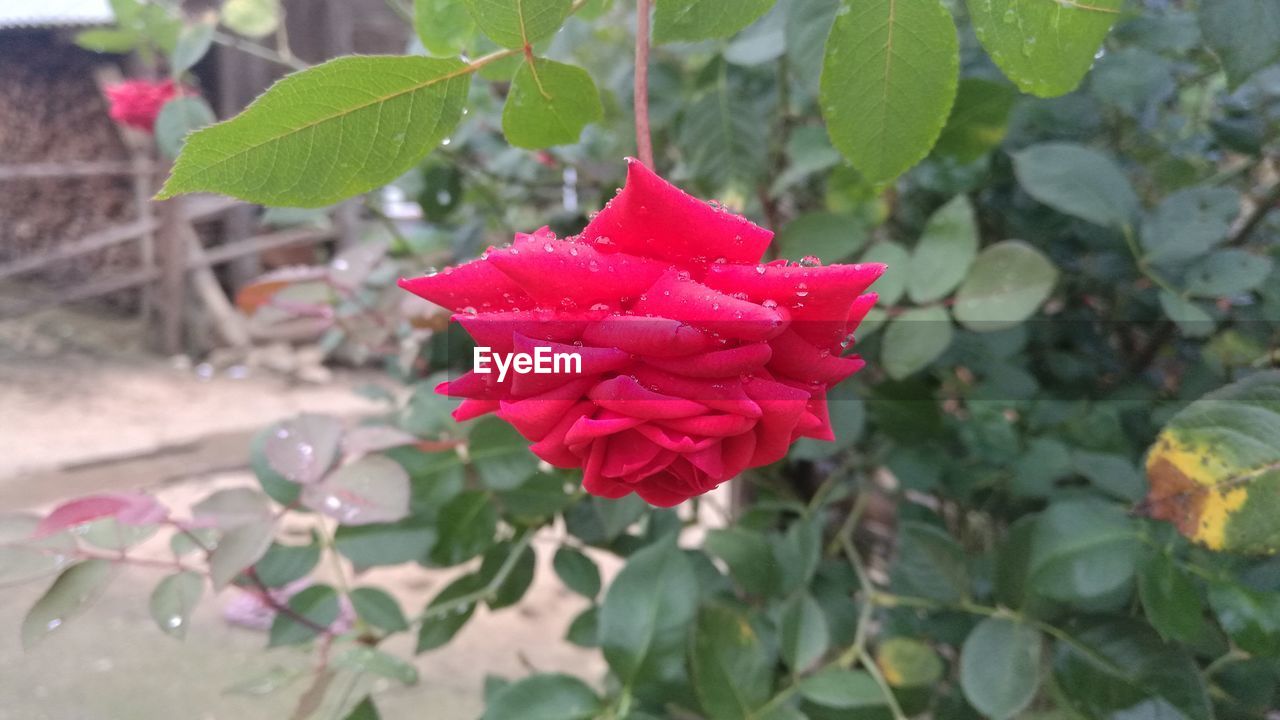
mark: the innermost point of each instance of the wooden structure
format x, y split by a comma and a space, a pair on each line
173, 252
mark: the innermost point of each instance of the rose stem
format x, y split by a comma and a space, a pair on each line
644, 144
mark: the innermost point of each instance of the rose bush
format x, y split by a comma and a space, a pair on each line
698, 362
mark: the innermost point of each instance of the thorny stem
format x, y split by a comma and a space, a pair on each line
644, 141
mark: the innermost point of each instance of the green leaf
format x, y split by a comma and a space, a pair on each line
803, 636
23, 558
178, 118
1005, 286
1171, 600
369, 546
888, 81
893, 282
237, 549
284, 564
909, 663
318, 604
808, 25
304, 448
945, 251
1044, 47
1082, 550
75, 590
1000, 667
444, 26
1189, 223
1130, 671
1112, 474
915, 339
978, 120
748, 556
761, 42
549, 696
835, 687
173, 601
540, 497
519, 578
584, 631
376, 607
362, 659
517, 23
248, 527
1242, 34
577, 571
365, 710
730, 670
1251, 618
500, 455
372, 489
438, 628
1228, 272
692, 20
251, 18
597, 521
722, 135
193, 44
1077, 181
108, 40
646, 611
549, 104
375, 117
930, 564
1192, 319
467, 525
1214, 470
829, 237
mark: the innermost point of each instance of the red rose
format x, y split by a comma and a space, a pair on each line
697, 361
136, 103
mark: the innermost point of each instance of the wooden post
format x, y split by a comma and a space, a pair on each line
172, 249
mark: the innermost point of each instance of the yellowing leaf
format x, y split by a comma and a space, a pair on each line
1215, 468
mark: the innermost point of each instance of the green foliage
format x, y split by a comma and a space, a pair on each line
1044, 47
885, 121
549, 104
377, 116
1000, 667
518, 23
689, 20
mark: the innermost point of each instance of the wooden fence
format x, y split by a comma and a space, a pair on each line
173, 264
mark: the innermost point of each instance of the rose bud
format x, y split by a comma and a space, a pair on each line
136, 103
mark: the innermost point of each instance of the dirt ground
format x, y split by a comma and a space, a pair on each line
84, 409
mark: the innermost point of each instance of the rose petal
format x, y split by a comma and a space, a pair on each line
473, 287
624, 395
678, 297
595, 361
555, 271
819, 298
734, 362
795, 357
650, 337
655, 219
534, 417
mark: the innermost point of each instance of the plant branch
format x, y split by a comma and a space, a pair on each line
644, 140
491, 587
1265, 205
258, 51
